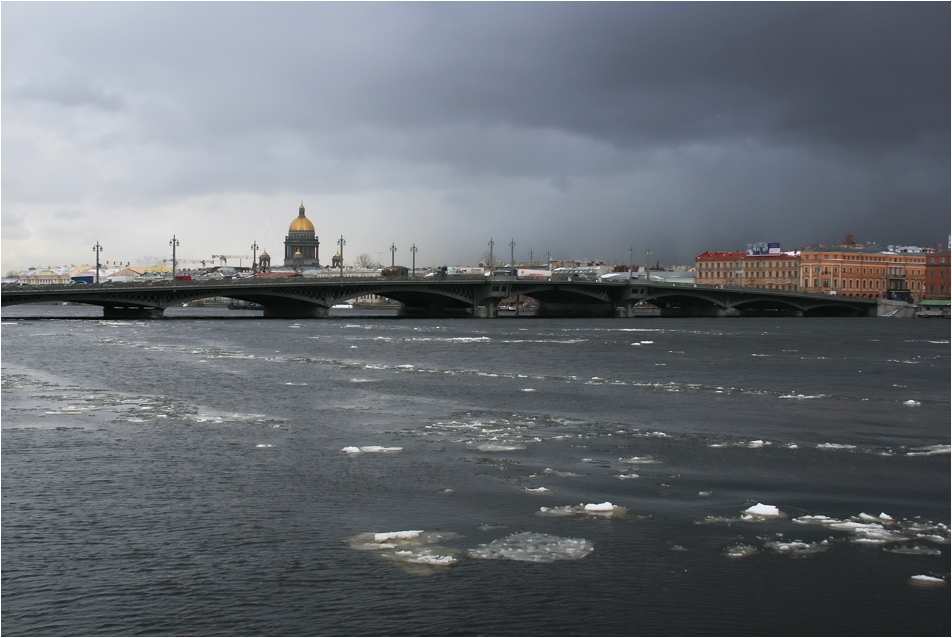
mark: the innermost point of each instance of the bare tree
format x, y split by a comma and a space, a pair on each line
364, 260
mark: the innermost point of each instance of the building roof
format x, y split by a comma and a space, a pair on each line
708, 256
301, 223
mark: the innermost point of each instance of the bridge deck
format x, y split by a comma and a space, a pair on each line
449, 296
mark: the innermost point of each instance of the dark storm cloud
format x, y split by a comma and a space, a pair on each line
698, 125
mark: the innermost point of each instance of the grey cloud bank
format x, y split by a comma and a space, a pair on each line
574, 128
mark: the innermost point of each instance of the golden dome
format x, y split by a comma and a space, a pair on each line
301, 223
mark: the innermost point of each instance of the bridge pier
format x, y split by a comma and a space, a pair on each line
132, 312
310, 311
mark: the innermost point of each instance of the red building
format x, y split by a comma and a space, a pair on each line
937, 276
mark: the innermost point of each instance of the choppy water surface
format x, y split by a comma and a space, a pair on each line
369, 476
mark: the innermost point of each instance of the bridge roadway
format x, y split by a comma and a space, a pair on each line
454, 296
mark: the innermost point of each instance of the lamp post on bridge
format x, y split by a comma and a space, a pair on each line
512, 254
174, 244
631, 261
548, 261
393, 254
254, 256
413, 251
647, 260
531, 255
97, 249
491, 244
341, 243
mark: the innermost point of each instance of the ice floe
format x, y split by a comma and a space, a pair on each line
532, 547
740, 551
538, 490
866, 529
416, 551
922, 580
796, 548
762, 511
911, 402
606, 510
264, 445
370, 449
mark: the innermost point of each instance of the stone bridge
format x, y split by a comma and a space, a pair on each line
454, 296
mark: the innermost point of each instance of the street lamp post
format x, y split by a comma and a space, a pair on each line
393, 254
413, 251
174, 244
341, 243
531, 256
512, 253
631, 261
97, 249
548, 261
254, 256
647, 261
491, 244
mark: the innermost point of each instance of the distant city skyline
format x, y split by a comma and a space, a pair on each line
575, 128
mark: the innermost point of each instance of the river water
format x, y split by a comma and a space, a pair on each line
219, 474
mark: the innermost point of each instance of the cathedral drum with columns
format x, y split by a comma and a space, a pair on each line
301, 239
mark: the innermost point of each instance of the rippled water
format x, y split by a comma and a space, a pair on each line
370, 476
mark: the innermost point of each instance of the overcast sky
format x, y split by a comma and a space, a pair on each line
578, 129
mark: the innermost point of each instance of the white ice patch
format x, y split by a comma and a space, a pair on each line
498, 447
533, 547
930, 450
607, 510
835, 446
762, 511
921, 580
626, 476
264, 445
538, 490
370, 449
797, 549
550, 472
739, 551
417, 551
911, 402
801, 396
640, 460
528, 390
380, 537
866, 529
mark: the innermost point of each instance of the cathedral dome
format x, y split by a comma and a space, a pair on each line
301, 223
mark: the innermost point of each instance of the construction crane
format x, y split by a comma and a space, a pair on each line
225, 258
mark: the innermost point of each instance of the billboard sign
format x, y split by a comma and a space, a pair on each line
773, 249
758, 248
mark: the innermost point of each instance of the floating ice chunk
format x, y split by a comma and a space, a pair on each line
498, 447
636, 344
931, 450
591, 509
599, 507
264, 445
797, 549
911, 402
370, 449
704, 493
528, 389
640, 460
538, 490
761, 511
921, 580
533, 547
380, 537
626, 476
739, 551
351, 450
550, 472
915, 550
834, 446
